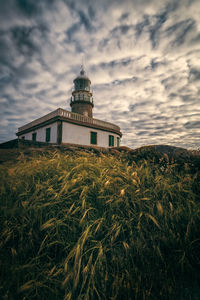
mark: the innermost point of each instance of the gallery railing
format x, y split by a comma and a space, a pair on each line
71, 116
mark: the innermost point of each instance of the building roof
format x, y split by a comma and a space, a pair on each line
70, 117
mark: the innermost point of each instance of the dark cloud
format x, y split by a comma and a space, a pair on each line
85, 20
117, 64
29, 7
192, 125
75, 28
10, 102
5, 50
23, 39
173, 95
169, 82
5, 80
117, 82
123, 17
181, 31
143, 132
33, 8
155, 63
159, 117
140, 26
122, 29
91, 12
114, 63
154, 29
7, 11
25, 72
103, 43
194, 74
196, 39
188, 98
132, 107
31, 86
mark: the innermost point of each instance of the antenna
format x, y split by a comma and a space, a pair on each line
82, 65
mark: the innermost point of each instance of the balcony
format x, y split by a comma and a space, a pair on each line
81, 98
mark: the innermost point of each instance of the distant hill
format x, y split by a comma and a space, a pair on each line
11, 150
171, 151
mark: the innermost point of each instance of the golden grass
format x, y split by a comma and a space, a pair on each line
82, 226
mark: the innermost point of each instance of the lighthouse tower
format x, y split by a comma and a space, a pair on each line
81, 100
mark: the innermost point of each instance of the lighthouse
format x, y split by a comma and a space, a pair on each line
75, 127
82, 100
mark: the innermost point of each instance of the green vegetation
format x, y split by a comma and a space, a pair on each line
99, 226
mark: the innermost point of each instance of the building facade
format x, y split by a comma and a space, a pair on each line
76, 127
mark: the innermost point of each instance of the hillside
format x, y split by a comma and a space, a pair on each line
82, 223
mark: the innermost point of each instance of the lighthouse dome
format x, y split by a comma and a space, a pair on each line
82, 75
82, 82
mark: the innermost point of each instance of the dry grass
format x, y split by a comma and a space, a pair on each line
82, 226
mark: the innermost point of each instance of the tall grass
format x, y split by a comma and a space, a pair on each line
82, 226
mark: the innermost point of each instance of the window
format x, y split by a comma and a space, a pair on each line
23, 137
81, 84
118, 141
111, 140
48, 134
93, 138
34, 136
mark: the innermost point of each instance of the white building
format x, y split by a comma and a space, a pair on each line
75, 127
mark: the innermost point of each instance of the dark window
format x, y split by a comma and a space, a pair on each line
93, 138
81, 84
23, 137
118, 141
48, 134
111, 140
34, 136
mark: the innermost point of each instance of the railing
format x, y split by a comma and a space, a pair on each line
77, 98
70, 115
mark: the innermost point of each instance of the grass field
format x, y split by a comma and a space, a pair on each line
107, 226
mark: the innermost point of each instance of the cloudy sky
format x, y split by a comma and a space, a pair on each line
143, 58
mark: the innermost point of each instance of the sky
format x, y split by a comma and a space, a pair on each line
142, 56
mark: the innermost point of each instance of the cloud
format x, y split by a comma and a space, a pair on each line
194, 74
142, 58
191, 125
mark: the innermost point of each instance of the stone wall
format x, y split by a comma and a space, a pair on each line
83, 109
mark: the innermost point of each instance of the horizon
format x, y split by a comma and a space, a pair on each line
143, 59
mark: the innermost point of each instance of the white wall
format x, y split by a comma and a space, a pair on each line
41, 134
73, 134
76, 134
